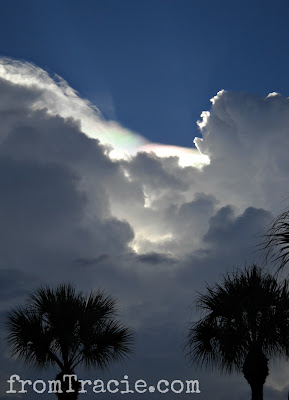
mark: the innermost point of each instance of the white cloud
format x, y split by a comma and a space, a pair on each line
58, 98
247, 138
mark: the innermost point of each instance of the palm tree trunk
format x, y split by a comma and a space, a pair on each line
65, 386
255, 370
257, 391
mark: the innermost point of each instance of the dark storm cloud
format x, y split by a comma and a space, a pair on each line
154, 258
153, 174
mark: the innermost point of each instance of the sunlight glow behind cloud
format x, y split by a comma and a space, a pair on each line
58, 98
187, 157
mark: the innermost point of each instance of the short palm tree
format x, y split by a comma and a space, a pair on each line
65, 328
245, 323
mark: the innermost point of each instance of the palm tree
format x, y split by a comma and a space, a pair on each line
65, 328
245, 323
276, 241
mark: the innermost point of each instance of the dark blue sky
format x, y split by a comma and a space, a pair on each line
153, 65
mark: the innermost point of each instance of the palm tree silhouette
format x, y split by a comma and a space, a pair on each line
246, 322
276, 241
66, 328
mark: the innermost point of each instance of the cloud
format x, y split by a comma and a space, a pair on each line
246, 137
146, 229
58, 98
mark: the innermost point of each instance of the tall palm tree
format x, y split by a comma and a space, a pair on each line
65, 328
245, 323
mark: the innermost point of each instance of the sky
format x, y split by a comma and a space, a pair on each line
143, 150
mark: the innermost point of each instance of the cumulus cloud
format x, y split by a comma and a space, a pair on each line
246, 138
145, 228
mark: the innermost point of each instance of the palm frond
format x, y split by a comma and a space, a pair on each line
275, 242
28, 339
